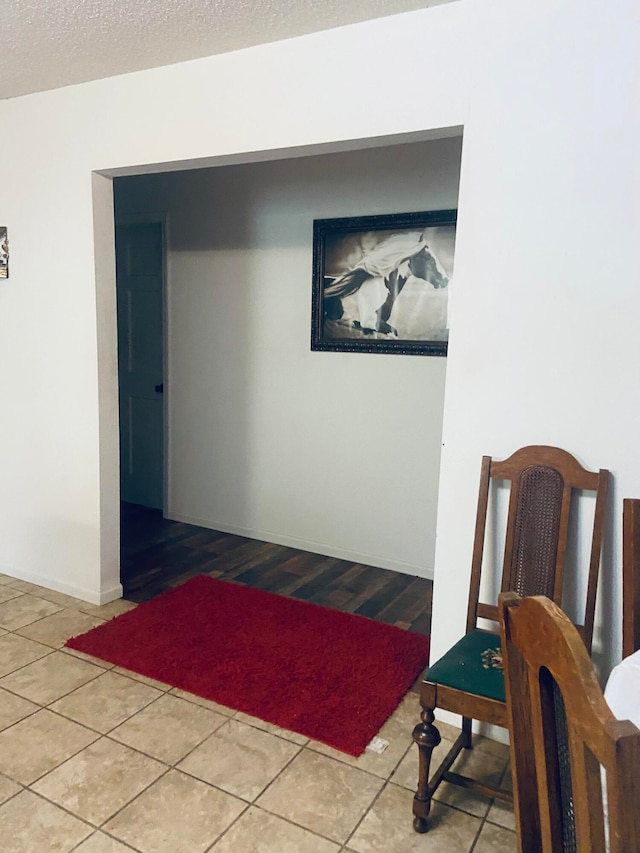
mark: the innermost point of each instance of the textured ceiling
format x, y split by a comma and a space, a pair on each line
45, 44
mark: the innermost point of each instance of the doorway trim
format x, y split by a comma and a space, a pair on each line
104, 247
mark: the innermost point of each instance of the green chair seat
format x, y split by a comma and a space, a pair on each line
474, 665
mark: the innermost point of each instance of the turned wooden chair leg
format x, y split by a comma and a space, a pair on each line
427, 737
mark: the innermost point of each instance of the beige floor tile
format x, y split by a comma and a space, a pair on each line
107, 611
408, 711
103, 664
480, 765
26, 586
380, 764
496, 839
60, 598
177, 814
406, 773
16, 652
8, 592
502, 814
5, 579
204, 703
50, 678
169, 728
260, 832
388, 828
494, 747
106, 701
507, 780
56, 629
23, 610
461, 798
101, 843
320, 794
396, 731
14, 708
239, 759
257, 723
102, 612
100, 780
8, 788
39, 743
135, 676
35, 826
447, 731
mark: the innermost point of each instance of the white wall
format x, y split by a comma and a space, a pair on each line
544, 341
544, 333
59, 450
336, 453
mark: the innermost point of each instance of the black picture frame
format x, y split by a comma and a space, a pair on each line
4, 252
380, 283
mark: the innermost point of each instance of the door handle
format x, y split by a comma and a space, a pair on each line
159, 389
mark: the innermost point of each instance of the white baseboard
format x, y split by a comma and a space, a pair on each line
92, 597
307, 545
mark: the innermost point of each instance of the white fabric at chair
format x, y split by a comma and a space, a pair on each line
623, 689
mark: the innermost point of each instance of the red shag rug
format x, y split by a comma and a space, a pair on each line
330, 676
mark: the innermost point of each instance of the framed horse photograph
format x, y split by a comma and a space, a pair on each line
381, 283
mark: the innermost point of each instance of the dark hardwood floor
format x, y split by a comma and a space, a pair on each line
157, 554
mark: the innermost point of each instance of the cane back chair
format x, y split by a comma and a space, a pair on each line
566, 744
468, 680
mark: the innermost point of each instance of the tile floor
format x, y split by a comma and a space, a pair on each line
94, 759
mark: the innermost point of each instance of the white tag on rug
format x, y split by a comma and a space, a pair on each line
378, 745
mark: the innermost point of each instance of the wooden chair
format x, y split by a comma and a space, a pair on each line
630, 576
562, 734
544, 482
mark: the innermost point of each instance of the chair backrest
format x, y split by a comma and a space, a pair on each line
544, 485
564, 739
630, 576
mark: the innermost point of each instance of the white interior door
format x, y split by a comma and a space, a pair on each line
139, 283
